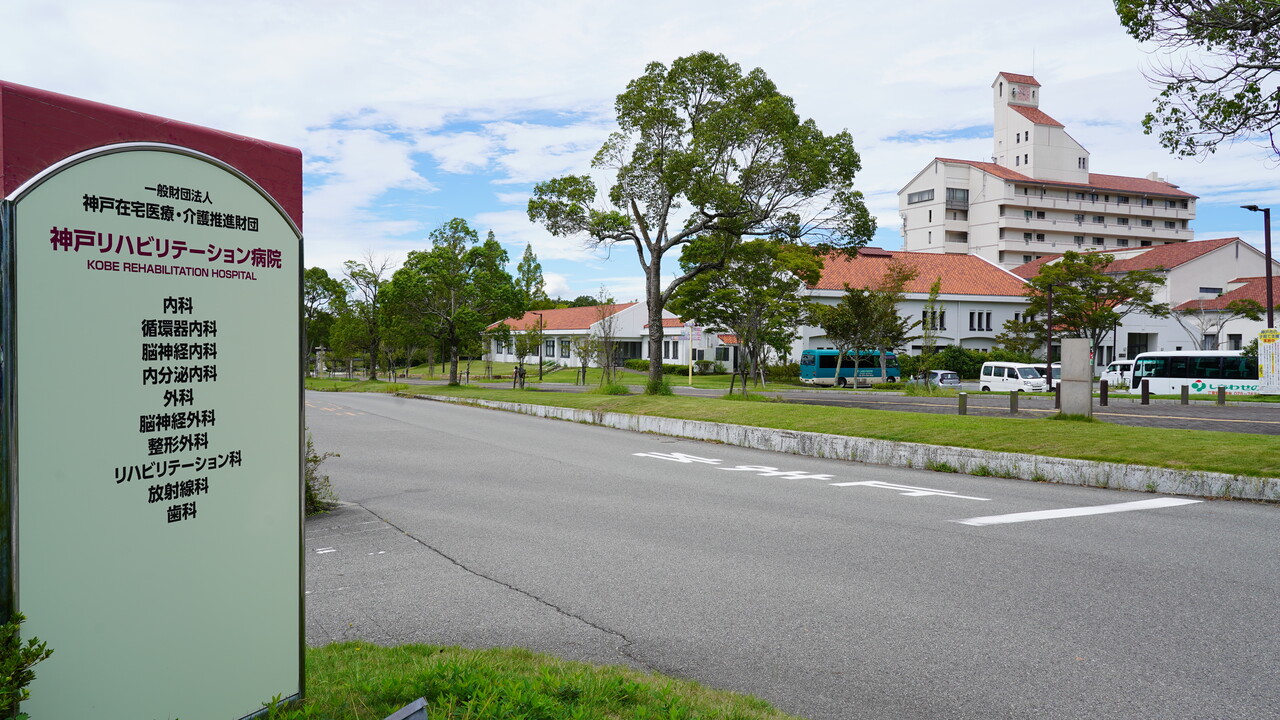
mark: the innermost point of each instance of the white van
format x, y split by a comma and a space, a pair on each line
1005, 376
1118, 373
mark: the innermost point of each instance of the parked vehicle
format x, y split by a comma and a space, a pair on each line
1204, 371
941, 378
818, 367
1117, 373
1005, 376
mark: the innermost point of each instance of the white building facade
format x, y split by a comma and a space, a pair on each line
1036, 197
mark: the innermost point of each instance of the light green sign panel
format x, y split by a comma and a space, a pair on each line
158, 421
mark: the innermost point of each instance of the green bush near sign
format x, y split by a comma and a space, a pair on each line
16, 662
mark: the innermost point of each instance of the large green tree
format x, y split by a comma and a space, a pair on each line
756, 296
1089, 298
707, 154
529, 278
458, 287
360, 315
321, 294
1217, 61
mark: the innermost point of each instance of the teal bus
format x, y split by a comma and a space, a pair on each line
818, 367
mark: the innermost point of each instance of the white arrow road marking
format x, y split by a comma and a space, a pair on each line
1076, 512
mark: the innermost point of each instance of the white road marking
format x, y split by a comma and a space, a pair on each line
322, 551
1077, 512
909, 490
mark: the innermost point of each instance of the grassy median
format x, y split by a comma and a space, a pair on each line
362, 681
1232, 453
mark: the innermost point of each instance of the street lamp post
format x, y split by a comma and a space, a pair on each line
541, 341
1266, 241
1048, 353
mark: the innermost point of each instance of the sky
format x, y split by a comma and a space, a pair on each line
412, 112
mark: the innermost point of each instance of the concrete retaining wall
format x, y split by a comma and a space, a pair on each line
915, 455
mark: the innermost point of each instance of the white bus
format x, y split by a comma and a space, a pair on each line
1204, 371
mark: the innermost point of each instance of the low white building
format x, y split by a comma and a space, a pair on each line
1200, 271
975, 296
626, 323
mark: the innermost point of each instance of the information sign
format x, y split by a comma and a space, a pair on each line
152, 377
1269, 362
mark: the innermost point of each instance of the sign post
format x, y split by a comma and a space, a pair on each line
1269, 362
151, 378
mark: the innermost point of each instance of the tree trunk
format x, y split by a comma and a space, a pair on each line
653, 275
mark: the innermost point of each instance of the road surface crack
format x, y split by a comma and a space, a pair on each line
623, 649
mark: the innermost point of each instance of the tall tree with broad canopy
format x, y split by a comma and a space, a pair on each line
361, 318
321, 294
1089, 301
529, 278
1218, 70
756, 296
458, 287
705, 154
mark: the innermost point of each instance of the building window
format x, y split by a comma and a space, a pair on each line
1039, 214
1026, 214
1234, 342
973, 316
1026, 259
930, 216
919, 197
722, 353
1122, 199
1099, 219
1211, 291
1017, 161
1148, 201
1145, 243
1093, 197
936, 320
1170, 225
957, 196
1122, 221
670, 349
1122, 242
1079, 217
1040, 237
1026, 237
1146, 222
550, 348
1079, 239
1026, 159
1079, 196
1099, 241
565, 345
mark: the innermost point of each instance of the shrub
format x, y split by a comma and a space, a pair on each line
661, 387
636, 364
16, 661
319, 492
613, 388
782, 372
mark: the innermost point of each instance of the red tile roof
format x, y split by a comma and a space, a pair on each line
1166, 256
960, 274
1023, 79
728, 339
1170, 255
1036, 115
1032, 268
1114, 183
669, 322
1255, 289
579, 318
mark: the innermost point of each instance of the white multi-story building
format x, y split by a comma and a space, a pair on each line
1036, 197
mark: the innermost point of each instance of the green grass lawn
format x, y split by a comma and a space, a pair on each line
1234, 453
362, 681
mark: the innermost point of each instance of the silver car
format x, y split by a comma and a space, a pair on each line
942, 378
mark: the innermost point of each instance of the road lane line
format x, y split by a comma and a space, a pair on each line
1077, 512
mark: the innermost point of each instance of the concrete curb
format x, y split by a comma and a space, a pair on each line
914, 455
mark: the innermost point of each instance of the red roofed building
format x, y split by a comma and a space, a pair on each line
975, 297
1036, 197
1200, 275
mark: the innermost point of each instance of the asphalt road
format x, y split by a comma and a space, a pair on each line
757, 572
